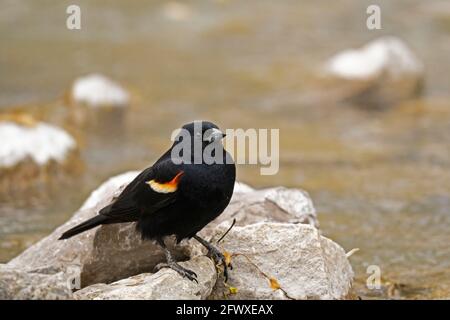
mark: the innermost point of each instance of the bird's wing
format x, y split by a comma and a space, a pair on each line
153, 189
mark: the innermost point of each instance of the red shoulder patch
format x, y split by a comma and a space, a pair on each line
166, 187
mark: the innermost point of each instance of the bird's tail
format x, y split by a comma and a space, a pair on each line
89, 224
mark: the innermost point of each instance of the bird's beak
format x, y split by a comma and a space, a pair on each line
215, 135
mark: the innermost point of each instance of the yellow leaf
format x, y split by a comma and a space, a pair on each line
233, 290
274, 284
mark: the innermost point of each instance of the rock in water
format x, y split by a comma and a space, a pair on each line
379, 74
104, 254
164, 285
98, 104
112, 262
38, 142
284, 261
112, 252
31, 152
97, 91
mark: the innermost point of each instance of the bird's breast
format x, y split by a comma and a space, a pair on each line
214, 182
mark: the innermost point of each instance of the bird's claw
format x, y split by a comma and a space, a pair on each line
191, 275
219, 258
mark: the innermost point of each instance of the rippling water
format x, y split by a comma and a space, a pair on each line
380, 180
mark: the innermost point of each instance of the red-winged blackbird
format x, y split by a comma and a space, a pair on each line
178, 195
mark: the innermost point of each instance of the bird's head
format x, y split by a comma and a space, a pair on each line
199, 142
204, 131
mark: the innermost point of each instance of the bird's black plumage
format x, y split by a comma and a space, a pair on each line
173, 198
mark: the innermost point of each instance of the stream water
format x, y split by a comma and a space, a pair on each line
379, 179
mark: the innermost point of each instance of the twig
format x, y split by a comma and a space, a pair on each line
226, 232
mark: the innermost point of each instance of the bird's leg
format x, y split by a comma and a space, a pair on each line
215, 254
172, 264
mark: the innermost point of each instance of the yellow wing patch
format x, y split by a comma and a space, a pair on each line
166, 187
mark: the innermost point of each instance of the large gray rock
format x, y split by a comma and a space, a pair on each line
104, 254
166, 284
112, 261
304, 264
20, 285
277, 204
113, 252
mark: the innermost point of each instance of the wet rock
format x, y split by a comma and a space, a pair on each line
97, 91
20, 285
104, 254
166, 284
32, 154
283, 261
25, 139
99, 106
377, 75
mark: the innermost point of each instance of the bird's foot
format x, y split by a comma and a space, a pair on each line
191, 275
216, 255
219, 259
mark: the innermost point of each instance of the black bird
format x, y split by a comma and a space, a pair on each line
178, 195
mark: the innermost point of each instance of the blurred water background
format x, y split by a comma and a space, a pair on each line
379, 179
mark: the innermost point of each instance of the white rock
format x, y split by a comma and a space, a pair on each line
41, 143
305, 264
378, 75
96, 91
384, 55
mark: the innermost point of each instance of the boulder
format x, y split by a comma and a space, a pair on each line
20, 285
98, 91
33, 154
283, 261
277, 204
166, 284
32, 140
112, 262
104, 254
381, 73
99, 106
113, 252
